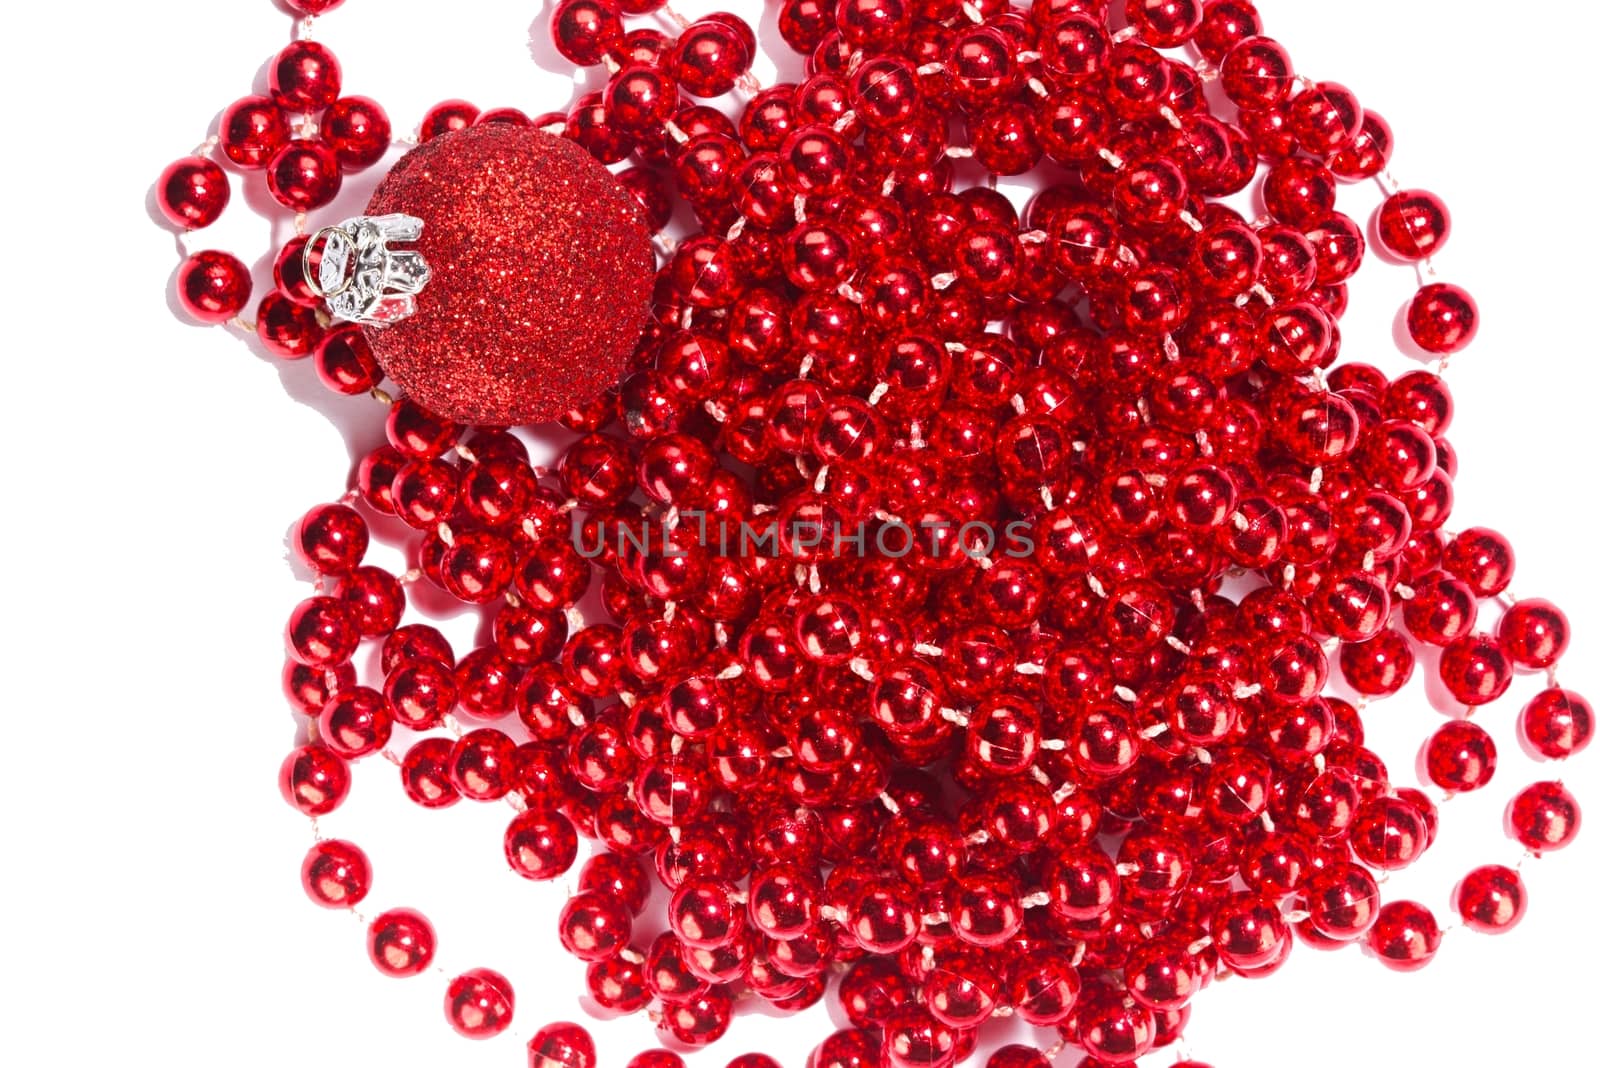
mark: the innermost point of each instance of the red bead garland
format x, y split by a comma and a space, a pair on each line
1073, 782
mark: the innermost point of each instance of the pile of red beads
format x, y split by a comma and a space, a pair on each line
1019, 705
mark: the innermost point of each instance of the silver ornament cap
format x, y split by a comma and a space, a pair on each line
359, 276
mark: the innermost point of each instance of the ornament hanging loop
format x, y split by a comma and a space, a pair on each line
309, 270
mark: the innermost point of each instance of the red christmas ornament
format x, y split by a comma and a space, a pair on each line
542, 270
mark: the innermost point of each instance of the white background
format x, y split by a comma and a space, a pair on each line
152, 906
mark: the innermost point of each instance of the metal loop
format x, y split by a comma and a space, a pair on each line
313, 275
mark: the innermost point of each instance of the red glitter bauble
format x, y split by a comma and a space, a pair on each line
542, 271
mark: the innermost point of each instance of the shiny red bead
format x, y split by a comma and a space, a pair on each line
192, 193
1325, 117
305, 76
479, 1003
594, 926
912, 1038
699, 1020
1557, 723
401, 942
445, 117
1342, 900
332, 539
1413, 224
710, 58
585, 31
314, 780
1460, 756
1379, 666
285, 329
1545, 816
1475, 669
336, 874
1442, 318
1390, 833
1116, 1032
540, 845
1257, 73
345, 363
656, 1058
640, 99
483, 764
849, 1048
1367, 153
1165, 23
1534, 633
322, 632
310, 689
617, 985
213, 286
1405, 936
355, 722
358, 129
1481, 558
1491, 899
561, 1045
304, 175
252, 130
425, 774
289, 273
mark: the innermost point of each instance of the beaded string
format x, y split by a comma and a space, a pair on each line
807, 577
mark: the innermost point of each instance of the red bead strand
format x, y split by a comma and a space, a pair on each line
905, 753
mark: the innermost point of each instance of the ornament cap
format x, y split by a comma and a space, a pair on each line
359, 276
